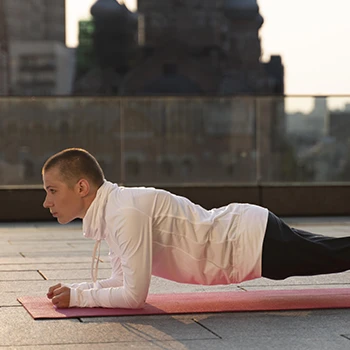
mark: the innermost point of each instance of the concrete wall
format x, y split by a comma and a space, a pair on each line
25, 204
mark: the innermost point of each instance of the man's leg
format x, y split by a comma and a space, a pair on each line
291, 252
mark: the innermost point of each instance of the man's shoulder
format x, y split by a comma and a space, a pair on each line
130, 200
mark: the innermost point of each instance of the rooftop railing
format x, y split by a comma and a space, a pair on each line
236, 140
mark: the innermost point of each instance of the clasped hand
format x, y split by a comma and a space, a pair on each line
59, 295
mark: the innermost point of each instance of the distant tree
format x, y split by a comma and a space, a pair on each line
85, 50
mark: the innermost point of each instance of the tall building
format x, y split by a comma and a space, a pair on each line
37, 62
195, 23
184, 47
201, 47
112, 43
35, 20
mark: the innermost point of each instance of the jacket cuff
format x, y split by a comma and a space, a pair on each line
73, 300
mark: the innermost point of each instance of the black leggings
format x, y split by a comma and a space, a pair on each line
291, 252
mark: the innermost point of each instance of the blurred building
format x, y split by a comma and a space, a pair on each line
339, 125
321, 141
35, 20
41, 68
109, 42
313, 124
200, 47
38, 60
183, 47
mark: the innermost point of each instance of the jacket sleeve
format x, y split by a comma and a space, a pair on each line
132, 239
116, 279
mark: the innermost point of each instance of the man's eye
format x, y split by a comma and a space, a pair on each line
52, 191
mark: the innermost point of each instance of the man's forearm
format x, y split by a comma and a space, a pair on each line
114, 297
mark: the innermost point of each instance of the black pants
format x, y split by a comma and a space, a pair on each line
291, 252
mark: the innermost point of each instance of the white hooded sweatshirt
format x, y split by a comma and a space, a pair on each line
154, 232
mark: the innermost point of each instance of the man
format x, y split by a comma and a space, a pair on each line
152, 231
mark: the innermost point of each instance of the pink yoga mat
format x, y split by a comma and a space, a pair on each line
206, 302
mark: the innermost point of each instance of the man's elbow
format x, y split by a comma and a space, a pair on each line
136, 302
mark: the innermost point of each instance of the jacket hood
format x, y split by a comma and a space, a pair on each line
94, 222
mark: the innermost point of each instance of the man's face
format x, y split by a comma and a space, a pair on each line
65, 203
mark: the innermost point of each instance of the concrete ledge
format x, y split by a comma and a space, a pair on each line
25, 204
306, 200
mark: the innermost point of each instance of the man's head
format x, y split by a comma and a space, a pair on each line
71, 179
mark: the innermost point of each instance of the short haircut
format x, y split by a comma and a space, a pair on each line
74, 164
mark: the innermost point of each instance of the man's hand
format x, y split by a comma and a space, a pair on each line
59, 295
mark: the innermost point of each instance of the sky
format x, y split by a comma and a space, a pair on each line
310, 35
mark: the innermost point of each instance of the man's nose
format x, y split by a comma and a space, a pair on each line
47, 203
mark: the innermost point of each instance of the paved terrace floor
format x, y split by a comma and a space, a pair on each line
34, 256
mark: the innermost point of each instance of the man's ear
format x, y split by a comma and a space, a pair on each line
83, 187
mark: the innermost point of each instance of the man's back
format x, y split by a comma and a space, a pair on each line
189, 243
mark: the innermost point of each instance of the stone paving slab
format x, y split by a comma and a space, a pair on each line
50, 245
297, 287
20, 259
20, 276
42, 226
47, 241
338, 278
148, 345
319, 221
48, 249
321, 329
335, 232
10, 298
26, 287
41, 247
86, 243
162, 286
63, 254
52, 266
10, 255
74, 274
35, 234
15, 320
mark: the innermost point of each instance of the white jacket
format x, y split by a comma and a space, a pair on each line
151, 231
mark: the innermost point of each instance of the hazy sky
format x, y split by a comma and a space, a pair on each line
312, 36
